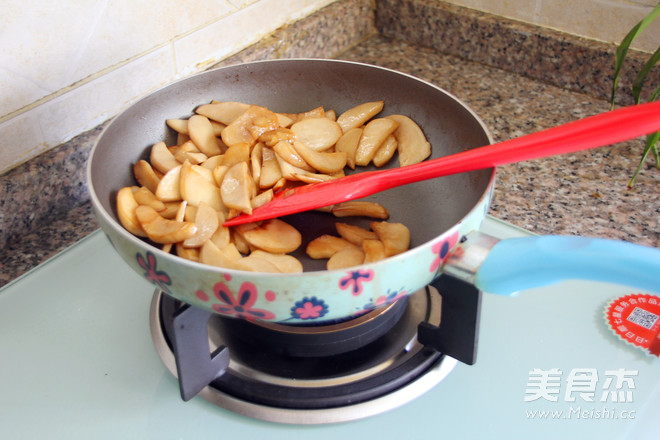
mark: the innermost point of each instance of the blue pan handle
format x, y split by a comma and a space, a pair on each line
518, 264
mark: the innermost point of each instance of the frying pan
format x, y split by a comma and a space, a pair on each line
439, 212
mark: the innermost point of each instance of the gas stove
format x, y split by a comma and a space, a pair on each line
319, 374
86, 355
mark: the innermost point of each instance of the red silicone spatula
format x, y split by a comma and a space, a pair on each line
594, 131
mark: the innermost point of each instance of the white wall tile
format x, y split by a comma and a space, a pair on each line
22, 139
67, 66
604, 20
516, 9
244, 3
51, 45
236, 31
131, 28
92, 103
18, 89
645, 2
36, 51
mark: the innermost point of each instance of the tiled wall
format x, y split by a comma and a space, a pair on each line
67, 66
605, 20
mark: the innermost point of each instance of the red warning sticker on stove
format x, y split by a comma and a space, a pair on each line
636, 319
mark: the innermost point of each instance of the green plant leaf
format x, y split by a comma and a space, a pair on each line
651, 145
622, 50
655, 94
641, 76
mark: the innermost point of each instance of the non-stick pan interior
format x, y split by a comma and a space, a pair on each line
428, 208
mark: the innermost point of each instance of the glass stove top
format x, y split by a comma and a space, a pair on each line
77, 361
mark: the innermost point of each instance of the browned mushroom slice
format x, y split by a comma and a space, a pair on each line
325, 246
271, 138
314, 177
358, 115
249, 126
348, 257
202, 134
236, 188
219, 174
255, 162
285, 120
242, 246
373, 135
170, 210
395, 236
222, 235
374, 250
325, 162
162, 230
191, 254
385, 151
239, 152
207, 222
197, 185
145, 197
169, 188
317, 133
286, 151
190, 156
317, 112
355, 234
189, 151
349, 143
213, 255
270, 169
284, 263
126, 205
217, 130
145, 175
262, 198
213, 162
358, 208
179, 216
256, 264
273, 236
162, 159
289, 172
178, 125
223, 112
413, 146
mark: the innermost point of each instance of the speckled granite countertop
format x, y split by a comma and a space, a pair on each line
518, 78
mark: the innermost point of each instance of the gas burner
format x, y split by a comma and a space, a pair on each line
318, 374
322, 339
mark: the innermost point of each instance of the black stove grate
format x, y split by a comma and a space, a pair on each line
186, 330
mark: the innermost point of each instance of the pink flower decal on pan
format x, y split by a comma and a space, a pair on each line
309, 308
239, 305
354, 280
441, 250
161, 279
